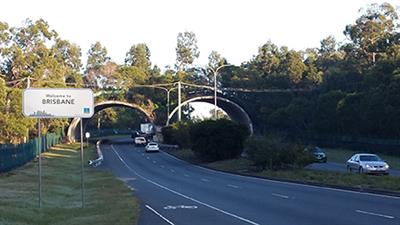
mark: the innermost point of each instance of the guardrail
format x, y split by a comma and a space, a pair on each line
97, 162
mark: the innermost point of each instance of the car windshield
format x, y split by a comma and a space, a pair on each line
369, 158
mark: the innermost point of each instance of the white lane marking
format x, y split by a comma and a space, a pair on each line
375, 214
186, 175
154, 162
180, 207
172, 171
284, 182
158, 214
205, 180
182, 195
233, 186
162, 166
147, 157
280, 196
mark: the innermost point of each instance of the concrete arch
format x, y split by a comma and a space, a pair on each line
234, 111
103, 105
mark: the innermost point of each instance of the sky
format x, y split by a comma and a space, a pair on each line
236, 28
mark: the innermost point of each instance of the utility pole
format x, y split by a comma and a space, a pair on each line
179, 101
29, 82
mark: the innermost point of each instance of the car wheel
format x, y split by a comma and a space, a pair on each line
360, 170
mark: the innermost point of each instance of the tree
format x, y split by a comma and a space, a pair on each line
139, 56
186, 50
69, 56
97, 56
268, 60
372, 32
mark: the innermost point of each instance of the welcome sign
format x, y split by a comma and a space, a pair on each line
58, 103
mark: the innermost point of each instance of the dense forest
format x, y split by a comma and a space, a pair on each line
354, 85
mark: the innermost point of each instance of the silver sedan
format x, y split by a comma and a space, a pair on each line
367, 163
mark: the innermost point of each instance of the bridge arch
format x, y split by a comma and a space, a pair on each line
71, 133
234, 111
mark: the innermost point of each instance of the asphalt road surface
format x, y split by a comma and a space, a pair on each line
175, 192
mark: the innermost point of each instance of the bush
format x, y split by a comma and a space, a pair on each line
272, 153
177, 134
214, 140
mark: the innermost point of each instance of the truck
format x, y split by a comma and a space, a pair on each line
147, 128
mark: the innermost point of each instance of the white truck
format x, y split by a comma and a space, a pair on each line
147, 128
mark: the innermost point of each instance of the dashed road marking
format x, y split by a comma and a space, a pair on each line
233, 186
205, 180
280, 196
375, 214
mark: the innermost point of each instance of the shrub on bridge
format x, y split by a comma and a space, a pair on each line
177, 134
274, 154
214, 140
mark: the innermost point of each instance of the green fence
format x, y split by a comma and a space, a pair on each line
13, 156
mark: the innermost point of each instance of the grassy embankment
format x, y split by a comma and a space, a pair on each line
108, 200
357, 181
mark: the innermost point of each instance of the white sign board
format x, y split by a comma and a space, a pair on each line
58, 103
87, 135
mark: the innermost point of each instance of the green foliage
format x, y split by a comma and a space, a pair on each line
178, 134
214, 140
139, 56
272, 153
186, 50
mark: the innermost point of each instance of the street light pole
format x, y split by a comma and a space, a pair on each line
215, 72
179, 101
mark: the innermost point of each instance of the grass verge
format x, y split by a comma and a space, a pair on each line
347, 180
108, 200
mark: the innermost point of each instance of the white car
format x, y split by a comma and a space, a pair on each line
152, 147
140, 141
367, 163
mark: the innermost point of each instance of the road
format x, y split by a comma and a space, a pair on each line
175, 192
340, 167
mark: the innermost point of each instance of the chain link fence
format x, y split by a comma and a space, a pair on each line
13, 156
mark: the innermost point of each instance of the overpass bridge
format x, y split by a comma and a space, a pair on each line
239, 104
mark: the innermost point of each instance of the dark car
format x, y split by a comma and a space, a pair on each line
318, 153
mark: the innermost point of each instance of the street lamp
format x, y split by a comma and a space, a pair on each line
168, 91
215, 72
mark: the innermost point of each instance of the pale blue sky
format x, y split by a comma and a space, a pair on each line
234, 28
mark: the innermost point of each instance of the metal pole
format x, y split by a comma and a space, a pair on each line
82, 185
215, 95
179, 101
40, 163
168, 104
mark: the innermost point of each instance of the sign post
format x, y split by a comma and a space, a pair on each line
58, 103
40, 162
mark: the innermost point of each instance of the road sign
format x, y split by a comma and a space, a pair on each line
58, 103
87, 135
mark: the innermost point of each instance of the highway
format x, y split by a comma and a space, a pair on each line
175, 192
